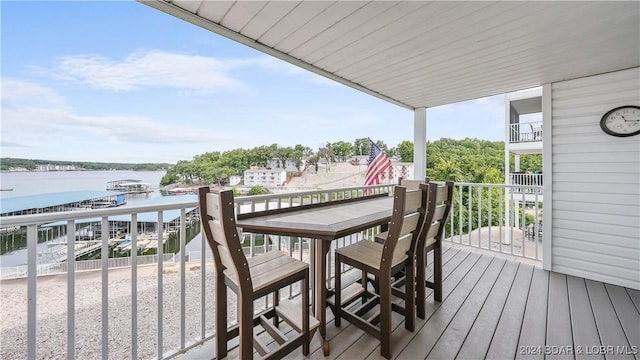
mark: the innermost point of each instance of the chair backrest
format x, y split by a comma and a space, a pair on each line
439, 200
406, 222
219, 224
412, 184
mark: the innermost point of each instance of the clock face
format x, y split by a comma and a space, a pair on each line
622, 121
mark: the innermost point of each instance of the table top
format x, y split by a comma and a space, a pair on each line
325, 221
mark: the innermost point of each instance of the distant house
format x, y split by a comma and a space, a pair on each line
50, 167
266, 177
287, 165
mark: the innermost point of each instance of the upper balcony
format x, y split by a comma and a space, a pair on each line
525, 138
129, 308
525, 132
524, 127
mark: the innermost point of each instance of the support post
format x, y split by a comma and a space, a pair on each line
419, 143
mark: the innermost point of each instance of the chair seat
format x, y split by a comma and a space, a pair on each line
368, 253
268, 269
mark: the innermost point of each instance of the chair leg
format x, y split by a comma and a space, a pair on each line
338, 293
420, 285
437, 273
275, 297
385, 316
305, 315
221, 318
245, 320
409, 299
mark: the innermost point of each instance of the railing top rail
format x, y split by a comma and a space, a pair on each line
192, 202
498, 185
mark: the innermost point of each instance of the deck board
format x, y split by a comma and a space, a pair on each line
559, 328
427, 336
627, 313
534, 325
455, 333
505, 340
609, 326
496, 308
635, 297
452, 274
476, 344
585, 331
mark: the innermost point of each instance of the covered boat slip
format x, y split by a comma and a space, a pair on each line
168, 216
497, 308
63, 201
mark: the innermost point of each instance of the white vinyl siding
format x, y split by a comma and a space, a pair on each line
596, 181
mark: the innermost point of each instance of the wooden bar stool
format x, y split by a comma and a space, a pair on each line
383, 261
251, 279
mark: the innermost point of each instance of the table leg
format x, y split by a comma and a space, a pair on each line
321, 248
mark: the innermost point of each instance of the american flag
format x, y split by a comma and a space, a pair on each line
378, 164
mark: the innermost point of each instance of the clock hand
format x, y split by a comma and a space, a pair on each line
623, 118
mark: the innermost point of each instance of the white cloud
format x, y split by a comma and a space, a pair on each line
149, 69
29, 119
17, 91
191, 74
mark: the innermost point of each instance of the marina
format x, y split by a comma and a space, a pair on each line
60, 201
53, 237
130, 187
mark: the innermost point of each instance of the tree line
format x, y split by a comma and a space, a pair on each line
32, 164
466, 160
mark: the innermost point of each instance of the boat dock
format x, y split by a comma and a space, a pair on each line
130, 187
62, 201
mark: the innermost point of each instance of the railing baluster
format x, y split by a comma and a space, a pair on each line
71, 290
183, 278
480, 218
460, 226
470, 213
203, 248
160, 252
500, 220
490, 215
104, 258
134, 285
32, 280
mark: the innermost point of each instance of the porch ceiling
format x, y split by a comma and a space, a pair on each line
424, 54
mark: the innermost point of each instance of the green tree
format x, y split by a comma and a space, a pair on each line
341, 150
405, 150
361, 146
256, 190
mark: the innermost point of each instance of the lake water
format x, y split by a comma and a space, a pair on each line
29, 183
26, 183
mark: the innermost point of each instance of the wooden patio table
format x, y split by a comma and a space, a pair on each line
323, 223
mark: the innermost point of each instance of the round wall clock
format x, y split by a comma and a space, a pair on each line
622, 121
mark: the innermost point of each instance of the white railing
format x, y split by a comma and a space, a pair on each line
39, 339
505, 219
530, 182
525, 132
176, 296
82, 265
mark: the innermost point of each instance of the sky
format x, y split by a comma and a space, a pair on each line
118, 81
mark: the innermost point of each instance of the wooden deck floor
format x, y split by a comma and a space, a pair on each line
501, 309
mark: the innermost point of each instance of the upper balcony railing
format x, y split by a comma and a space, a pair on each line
530, 182
175, 295
525, 132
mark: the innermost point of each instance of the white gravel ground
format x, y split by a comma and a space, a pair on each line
52, 313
